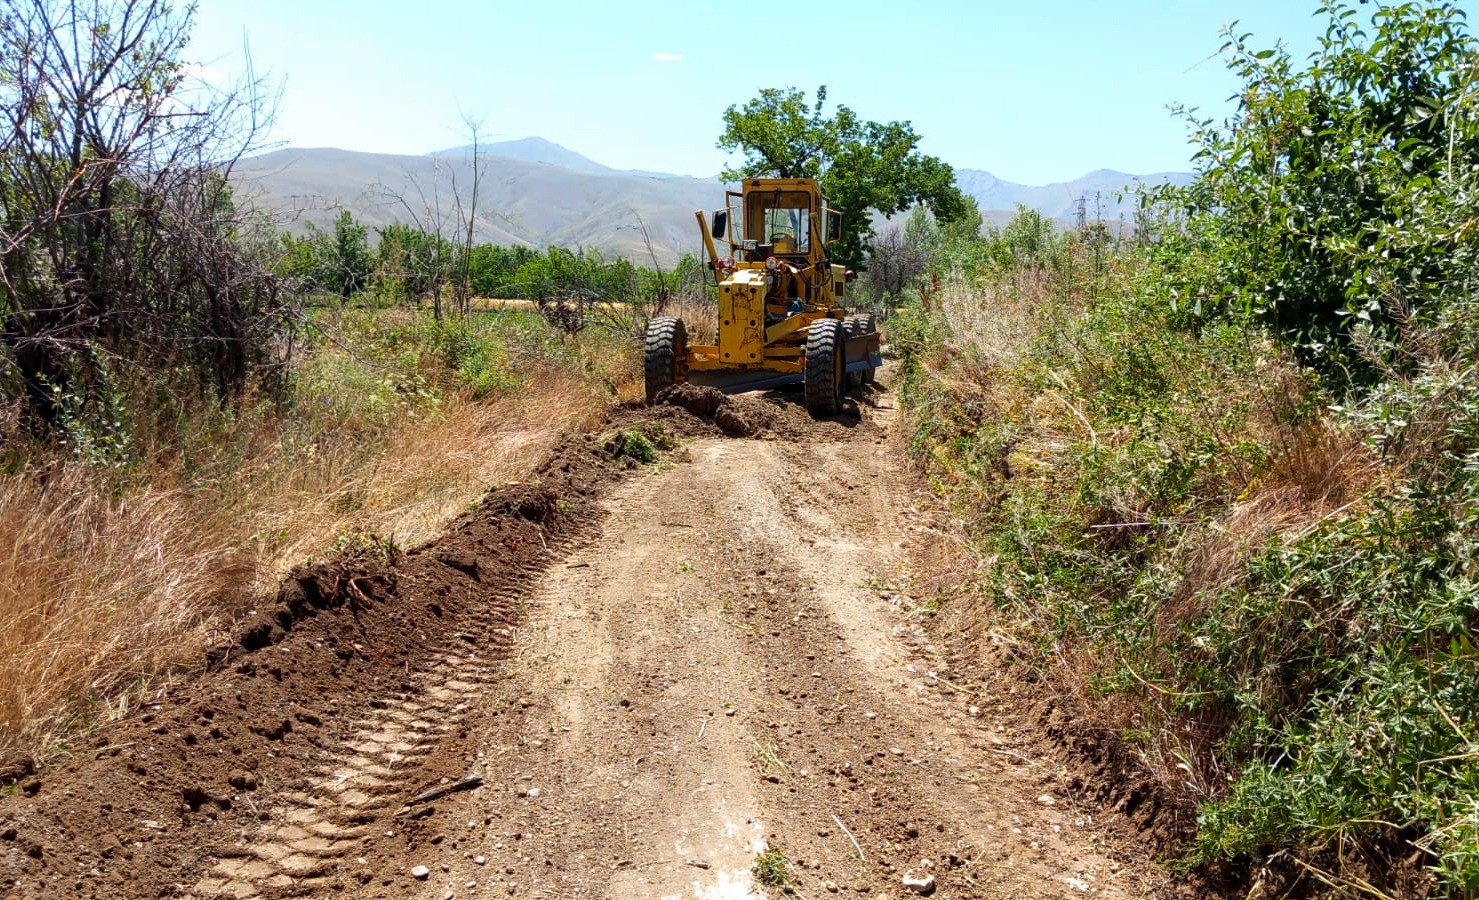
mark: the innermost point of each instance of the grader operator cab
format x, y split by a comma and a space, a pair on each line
781, 300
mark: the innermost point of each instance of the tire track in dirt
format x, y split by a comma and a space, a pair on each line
317, 827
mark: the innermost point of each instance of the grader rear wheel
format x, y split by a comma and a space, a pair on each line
852, 326
869, 324
666, 354
824, 367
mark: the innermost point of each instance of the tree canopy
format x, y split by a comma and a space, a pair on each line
1337, 195
862, 165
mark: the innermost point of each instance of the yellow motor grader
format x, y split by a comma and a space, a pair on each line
780, 300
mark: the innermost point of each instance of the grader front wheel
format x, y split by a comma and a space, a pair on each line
666, 354
824, 367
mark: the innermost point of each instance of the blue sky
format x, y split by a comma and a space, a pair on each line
1036, 91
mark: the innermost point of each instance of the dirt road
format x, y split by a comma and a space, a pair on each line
721, 671
725, 663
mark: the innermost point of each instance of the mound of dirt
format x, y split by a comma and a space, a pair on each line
147, 803
774, 415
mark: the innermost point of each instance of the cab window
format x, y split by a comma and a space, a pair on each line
781, 219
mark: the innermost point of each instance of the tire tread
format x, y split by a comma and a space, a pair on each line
665, 347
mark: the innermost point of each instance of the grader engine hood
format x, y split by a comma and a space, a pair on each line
742, 317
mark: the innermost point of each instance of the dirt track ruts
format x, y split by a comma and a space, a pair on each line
713, 665
721, 671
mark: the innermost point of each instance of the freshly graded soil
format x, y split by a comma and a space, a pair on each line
617, 680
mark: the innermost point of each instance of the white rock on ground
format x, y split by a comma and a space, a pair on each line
922, 885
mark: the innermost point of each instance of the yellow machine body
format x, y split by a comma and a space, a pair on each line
777, 277
777, 290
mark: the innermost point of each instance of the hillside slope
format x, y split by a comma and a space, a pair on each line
1059, 200
538, 193
522, 201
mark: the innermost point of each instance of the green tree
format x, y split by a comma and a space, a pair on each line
334, 262
585, 274
862, 165
411, 263
352, 261
1339, 195
493, 270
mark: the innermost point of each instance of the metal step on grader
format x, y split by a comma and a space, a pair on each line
781, 302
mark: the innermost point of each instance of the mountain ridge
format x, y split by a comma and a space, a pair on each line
538, 193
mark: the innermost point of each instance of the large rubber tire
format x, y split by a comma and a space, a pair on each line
852, 326
870, 324
824, 365
666, 354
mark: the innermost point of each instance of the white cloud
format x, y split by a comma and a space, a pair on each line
667, 57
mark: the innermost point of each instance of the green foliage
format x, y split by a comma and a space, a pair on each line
94, 422
928, 252
1362, 706
336, 262
1258, 569
476, 358
409, 361
363, 544
494, 270
772, 868
633, 443
1339, 198
862, 165
560, 272
411, 264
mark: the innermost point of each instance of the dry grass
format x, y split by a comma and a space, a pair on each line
98, 591
993, 322
700, 316
106, 589
423, 474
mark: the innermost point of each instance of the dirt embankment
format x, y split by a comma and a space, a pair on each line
616, 681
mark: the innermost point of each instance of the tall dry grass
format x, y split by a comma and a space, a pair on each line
1091, 445
700, 316
994, 321
109, 587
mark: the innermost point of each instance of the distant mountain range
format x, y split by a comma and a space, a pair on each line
1099, 190
538, 193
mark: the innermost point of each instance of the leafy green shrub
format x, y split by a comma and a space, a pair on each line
1271, 594
1260, 574
337, 262
634, 443
1340, 193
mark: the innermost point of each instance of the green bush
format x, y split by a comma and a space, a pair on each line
1325, 659
634, 443
1337, 200
1226, 482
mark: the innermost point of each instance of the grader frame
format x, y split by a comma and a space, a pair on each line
780, 299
